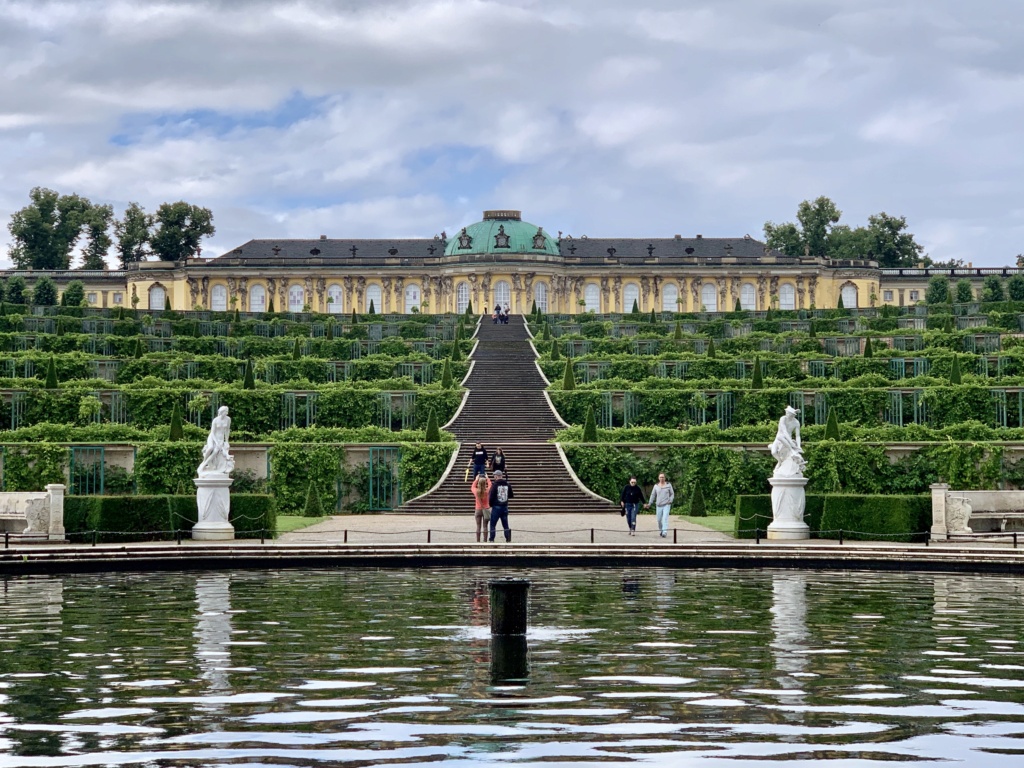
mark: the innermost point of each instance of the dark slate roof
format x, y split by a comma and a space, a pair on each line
331, 251
640, 250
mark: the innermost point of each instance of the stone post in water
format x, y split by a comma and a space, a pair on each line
509, 619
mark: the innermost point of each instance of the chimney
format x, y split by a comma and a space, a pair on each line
323, 237
700, 237
679, 237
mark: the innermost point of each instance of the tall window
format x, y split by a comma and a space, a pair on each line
373, 297
462, 298
296, 298
257, 299
219, 299
669, 296
630, 294
748, 297
787, 296
592, 298
709, 297
412, 297
540, 295
849, 294
334, 294
157, 297
502, 293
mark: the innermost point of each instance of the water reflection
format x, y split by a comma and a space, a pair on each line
213, 631
789, 626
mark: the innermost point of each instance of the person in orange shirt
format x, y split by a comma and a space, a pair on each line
481, 492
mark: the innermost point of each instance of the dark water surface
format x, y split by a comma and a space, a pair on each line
626, 667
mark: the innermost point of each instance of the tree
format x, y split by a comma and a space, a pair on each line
329, 331
738, 307
964, 291
711, 348
16, 290
937, 291
73, 295
51, 375
469, 307
296, 350
992, 289
832, 425
98, 242
890, 244
46, 230
698, 508
133, 232
839, 304
757, 380
811, 334
636, 308
947, 324
816, 220
371, 310
446, 375
546, 336
177, 430
955, 376
433, 433
44, 293
179, 229
270, 306
677, 335
456, 352
590, 427
568, 380
312, 507
554, 350
138, 352
868, 351
248, 377
533, 308
1015, 288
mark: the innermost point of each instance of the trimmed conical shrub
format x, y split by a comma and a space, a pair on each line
533, 308
177, 430
757, 380
546, 336
238, 316
137, 353
555, 354
446, 375
248, 378
51, 374
60, 327
568, 380
652, 319
372, 310
711, 348
955, 377
329, 331
636, 308
769, 315
947, 324
868, 350
839, 304
590, 427
270, 306
698, 508
469, 307
297, 350
832, 425
433, 432
678, 333
456, 352
355, 317
167, 302
313, 507
738, 307
810, 330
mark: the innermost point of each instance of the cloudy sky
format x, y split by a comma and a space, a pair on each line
373, 118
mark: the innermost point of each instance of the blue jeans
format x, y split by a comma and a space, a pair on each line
478, 469
500, 513
663, 513
631, 510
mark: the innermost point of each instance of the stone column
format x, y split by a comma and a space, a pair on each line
788, 502
214, 501
939, 491
55, 531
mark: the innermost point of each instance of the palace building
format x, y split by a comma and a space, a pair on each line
505, 260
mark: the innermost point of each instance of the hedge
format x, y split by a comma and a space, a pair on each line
754, 513
157, 517
867, 518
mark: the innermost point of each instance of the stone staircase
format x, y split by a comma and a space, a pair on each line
506, 408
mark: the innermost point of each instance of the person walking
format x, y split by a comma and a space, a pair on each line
481, 496
498, 462
479, 460
630, 500
498, 497
662, 496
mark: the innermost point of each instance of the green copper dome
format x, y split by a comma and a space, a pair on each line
501, 232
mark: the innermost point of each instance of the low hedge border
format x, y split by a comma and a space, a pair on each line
859, 517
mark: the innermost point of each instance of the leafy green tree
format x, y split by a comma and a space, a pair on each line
1015, 288
313, 507
590, 427
44, 292
757, 380
568, 379
446, 375
433, 433
177, 430
46, 230
955, 376
937, 291
73, 295
51, 374
133, 231
992, 289
98, 241
832, 425
179, 229
964, 291
17, 290
698, 507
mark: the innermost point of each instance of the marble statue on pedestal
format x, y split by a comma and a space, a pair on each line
213, 480
788, 481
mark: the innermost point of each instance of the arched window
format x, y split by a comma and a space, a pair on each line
296, 298
257, 299
462, 298
334, 305
219, 298
748, 297
540, 295
669, 298
157, 297
412, 297
502, 294
373, 297
709, 297
849, 294
630, 295
592, 298
787, 296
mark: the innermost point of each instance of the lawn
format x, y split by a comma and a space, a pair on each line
721, 523
288, 523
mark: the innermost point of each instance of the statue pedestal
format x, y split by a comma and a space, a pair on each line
788, 501
214, 501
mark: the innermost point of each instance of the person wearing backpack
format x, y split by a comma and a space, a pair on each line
662, 496
500, 493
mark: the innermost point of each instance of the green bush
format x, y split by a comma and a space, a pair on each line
754, 513
161, 467
868, 518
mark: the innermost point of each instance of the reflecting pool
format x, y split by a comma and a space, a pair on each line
625, 667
